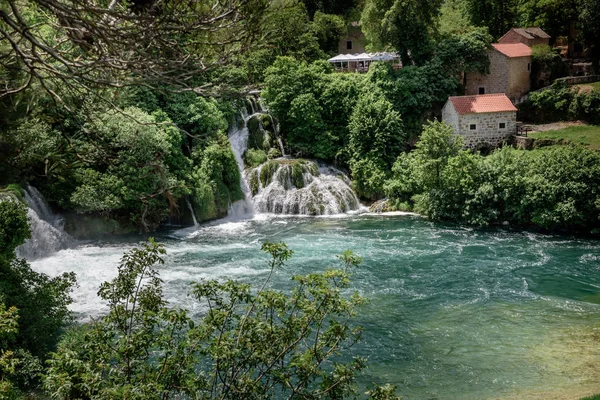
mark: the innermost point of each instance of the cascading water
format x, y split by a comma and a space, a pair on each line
47, 233
238, 136
283, 185
187, 200
300, 187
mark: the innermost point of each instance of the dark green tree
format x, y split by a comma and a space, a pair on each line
497, 15
590, 19
33, 306
377, 137
329, 29
554, 17
403, 25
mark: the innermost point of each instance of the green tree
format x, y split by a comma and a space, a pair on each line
33, 307
130, 167
547, 65
454, 18
418, 172
215, 180
339, 7
329, 29
9, 327
376, 138
497, 15
414, 91
404, 25
555, 17
465, 52
590, 19
249, 344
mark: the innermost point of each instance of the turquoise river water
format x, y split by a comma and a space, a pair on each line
454, 312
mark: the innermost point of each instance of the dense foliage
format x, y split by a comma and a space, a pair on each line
547, 66
249, 344
404, 25
134, 164
555, 188
33, 307
561, 102
347, 118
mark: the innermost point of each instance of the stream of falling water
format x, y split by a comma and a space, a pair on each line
47, 233
286, 185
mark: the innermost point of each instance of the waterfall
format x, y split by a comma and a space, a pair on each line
47, 233
283, 185
187, 200
238, 136
301, 187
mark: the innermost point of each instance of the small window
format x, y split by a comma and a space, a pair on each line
528, 66
502, 125
349, 45
481, 90
472, 127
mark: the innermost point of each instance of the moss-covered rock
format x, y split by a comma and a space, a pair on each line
12, 190
253, 158
274, 152
266, 121
267, 171
253, 182
298, 175
257, 139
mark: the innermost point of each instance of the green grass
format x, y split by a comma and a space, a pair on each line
595, 85
588, 135
596, 397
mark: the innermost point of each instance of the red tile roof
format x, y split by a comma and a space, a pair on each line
484, 103
513, 49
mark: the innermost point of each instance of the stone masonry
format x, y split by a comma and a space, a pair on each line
507, 75
357, 37
494, 82
481, 128
488, 130
518, 36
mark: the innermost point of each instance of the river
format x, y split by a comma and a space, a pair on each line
453, 312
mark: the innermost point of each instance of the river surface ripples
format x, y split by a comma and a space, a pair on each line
453, 312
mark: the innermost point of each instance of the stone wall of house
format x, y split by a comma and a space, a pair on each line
519, 77
488, 131
537, 41
513, 37
357, 37
494, 82
450, 116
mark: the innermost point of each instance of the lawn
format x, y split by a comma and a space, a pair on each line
588, 135
595, 85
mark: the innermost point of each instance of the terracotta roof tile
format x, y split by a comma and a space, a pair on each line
513, 49
484, 103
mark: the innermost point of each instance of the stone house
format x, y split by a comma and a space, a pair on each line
528, 36
354, 42
488, 119
510, 70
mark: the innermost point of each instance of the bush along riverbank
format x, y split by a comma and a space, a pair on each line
555, 188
